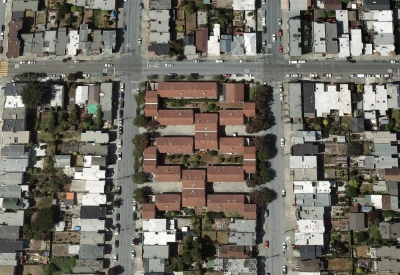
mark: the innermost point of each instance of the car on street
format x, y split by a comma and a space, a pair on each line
379, 75
370, 75
102, 74
121, 105
121, 113
172, 74
108, 65
169, 65
226, 75
141, 6
3, 27
31, 62
122, 87
121, 130
327, 75
264, 42
243, 61
280, 21
116, 243
197, 61
119, 190
266, 245
282, 142
313, 75
280, 49
115, 257
274, 38
264, 1
134, 215
288, 75
22, 62
284, 246
266, 213
1, 36
133, 253
120, 143
248, 75
351, 61
295, 75
121, 95
119, 156
281, 97
134, 206
117, 216
283, 193
264, 29
117, 228
394, 61
139, 41
219, 61
284, 269
86, 75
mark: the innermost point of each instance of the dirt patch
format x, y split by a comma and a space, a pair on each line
363, 252
41, 17
191, 23
344, 237
88, 16
342, 264
33, 269
66, 237
60, 250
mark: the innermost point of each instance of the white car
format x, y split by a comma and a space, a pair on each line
284, 246
22, 62
120, 122
122, 87
31, 62
394, 61
295, 75
197, 61
243, 61
379, 75
281, 97
120, 143
134, 206
300, 75
1, 36
284, 269
264, 1
282, 142
115, 257
288, 75
327, 75
219, 61
274, 38
280, 21
169, 65
139, 41
86, 75
108, 65
248, 75
283, 193
120, 156
313, 75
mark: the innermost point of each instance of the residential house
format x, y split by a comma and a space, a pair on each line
94, 199
201, 39
109, 41
95, 137
175, 117
90, 251
206, 131
93, 225
303, 161
188, 90
159, 232
168, 202
233, 92
308, 99
62, 161
148, 211
18, 137
159, 26
93, 212
94, 149
389, 230
106, 91
91, 238
309, 252
234, 252
193, 188
14, 28
333, 99
11, 179
175, 145
305, 149
88, 266
225, 174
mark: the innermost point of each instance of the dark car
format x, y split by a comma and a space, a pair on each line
265, 29
3, 28
121, 95
117, 216
102, 74
141, 6
119, 190
351, 61
118, 204
121, 105
121, 130
121, 113
172, 74
116, 243
134, 215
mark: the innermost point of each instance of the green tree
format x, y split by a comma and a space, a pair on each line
139, 121
99, 118
139, 177
74, 8
359, 270
351, 192
325, 122
64, 264
50, 269
139, 97
42, 223
139, 194
63, 10
354, 183
69, 21
196, 255
362, 236
32, 95
218, 78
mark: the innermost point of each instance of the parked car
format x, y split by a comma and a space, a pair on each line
115, 257
226, 75
394, 61
119, 156
219, 61
3, 27
351, 61
117, 216
117, 228
121, 105
108, 65
102, 74
122, 87
280, 49
264, 42
134, 216
282, 142
284, 246
274, 38
266, 245
139, 41
133, 253
243, 61
266, 213
281, 97
134, 206
197, 61
141, 6
280, 21
283, 193
121, 113
327, 75
313, 75
120, 143
116, 243
264, 29
284, 269
169, 65
119, 190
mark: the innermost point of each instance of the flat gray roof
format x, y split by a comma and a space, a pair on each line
295, 106
318, 200
87, 251
106, 100
240, 238
9, 232
295, 42
14, 151
156, 251
243, 225
22, 5
10, 191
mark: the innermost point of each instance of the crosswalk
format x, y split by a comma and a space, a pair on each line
3, 68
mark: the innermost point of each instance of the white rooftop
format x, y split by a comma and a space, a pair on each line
319, 36
73, 42
250, 43
310, 226
303, 161
92, 225
158, 238
13, 102
312, 187
244, 5
376, 15
344, 46
95, 186
308, 238
213, 46
57, 95
90, 173
155, 225
356, 44
81, 95
94, 199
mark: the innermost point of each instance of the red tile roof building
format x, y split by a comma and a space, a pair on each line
225, 173
231, 117
234, 92
150, 159
250, 159
167, 174
151, 107
202, 39
225, 203
193, 188
188, 90
168, 202
206, 131
231, 145
250, 211
148, 211
175, 117
175, 145
249, 109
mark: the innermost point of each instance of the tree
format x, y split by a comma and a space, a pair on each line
359, 270
139, 177
139, 97
139, 121
42, 223
262, 196
72, 76
351, 192
195, 253
69, 21
32, 95
353, 183
139, 194
218, 78
74, 8
64, 264
167, 78
362, 236
50, 269
325, 122
113, 270
375, 215
354, 148
63, 10
256, 124
99, 118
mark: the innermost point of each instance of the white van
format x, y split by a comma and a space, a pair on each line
292, 61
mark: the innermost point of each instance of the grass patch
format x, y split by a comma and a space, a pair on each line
252, 93
396, 116
366, 188
345, 124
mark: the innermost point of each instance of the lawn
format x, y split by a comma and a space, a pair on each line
339, 264
345, 124
251, 93
396, 116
